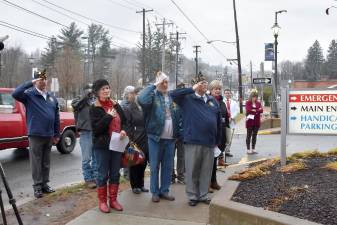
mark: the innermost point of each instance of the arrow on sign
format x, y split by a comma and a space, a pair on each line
294, 98
293, 118
293, 108
262, 80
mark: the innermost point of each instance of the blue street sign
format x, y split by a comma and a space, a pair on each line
269, 52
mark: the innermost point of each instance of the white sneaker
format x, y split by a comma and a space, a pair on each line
254, 151
249, 151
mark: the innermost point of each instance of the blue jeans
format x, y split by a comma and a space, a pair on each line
161, 156
89, 169
108, 166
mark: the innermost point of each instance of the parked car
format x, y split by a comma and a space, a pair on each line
13, 130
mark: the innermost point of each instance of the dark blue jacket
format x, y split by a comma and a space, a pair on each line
42, 116
201, 121
153, 105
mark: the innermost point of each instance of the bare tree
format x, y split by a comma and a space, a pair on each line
69, 71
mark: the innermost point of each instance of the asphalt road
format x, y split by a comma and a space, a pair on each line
66, 169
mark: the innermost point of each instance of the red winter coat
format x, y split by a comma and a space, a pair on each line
257, 114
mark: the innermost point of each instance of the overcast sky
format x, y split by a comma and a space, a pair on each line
305, 22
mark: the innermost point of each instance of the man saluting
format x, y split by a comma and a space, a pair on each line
43, 125
202, 133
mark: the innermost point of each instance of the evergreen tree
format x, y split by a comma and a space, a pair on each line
50, 53
100, 50
70, 37
314, 62
331, 60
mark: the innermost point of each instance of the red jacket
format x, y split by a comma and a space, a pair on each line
257, 114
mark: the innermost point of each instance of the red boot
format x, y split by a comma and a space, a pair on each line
102, 199
113, 191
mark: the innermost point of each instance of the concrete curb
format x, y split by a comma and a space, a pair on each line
223, 211
269, 132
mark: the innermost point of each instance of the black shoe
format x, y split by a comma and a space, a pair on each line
136, 190
193, 203
143, 189
166, 196
38, 193
47, 189
228, 154
207, 201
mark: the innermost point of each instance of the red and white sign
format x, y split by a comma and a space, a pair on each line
313, 98
312, 112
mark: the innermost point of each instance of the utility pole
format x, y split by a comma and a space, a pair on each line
144, 11
177, 55
262, 86
251, 74
196, 51
163, 46
238, 56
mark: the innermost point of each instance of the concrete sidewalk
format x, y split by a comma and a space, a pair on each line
140, 210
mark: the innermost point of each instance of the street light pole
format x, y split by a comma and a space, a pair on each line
276, 28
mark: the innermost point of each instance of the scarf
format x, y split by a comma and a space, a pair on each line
115, 124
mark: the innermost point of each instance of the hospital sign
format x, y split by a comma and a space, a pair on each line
312, 112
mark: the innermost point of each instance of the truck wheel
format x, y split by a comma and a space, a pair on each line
67, 142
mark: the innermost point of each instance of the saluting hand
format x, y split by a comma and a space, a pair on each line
112, 112
36, 80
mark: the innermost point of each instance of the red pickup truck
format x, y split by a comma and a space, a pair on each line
13, 130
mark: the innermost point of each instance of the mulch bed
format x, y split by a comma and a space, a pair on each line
307, 194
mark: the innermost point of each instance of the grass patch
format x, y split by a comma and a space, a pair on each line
332, 152
292, 167
306, 155
289, 194
76, 188
65, 191
312, 154
331, 166
258, 170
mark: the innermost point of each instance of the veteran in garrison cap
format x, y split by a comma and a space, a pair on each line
43, 125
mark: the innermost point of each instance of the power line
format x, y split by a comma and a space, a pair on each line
119, 4
31, 12
90, 19
46, 6
23, 30
30, 31
196, 27
193, 24
137, 4
59, 12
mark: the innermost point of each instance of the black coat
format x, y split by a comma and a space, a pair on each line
224, 124
136, 126
100, 121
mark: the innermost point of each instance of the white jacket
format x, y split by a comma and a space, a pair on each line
234, 110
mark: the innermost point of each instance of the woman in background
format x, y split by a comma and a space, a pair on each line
137, 134
215, 88
253, 120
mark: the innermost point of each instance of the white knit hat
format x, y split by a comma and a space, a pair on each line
160, 77
128, 90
